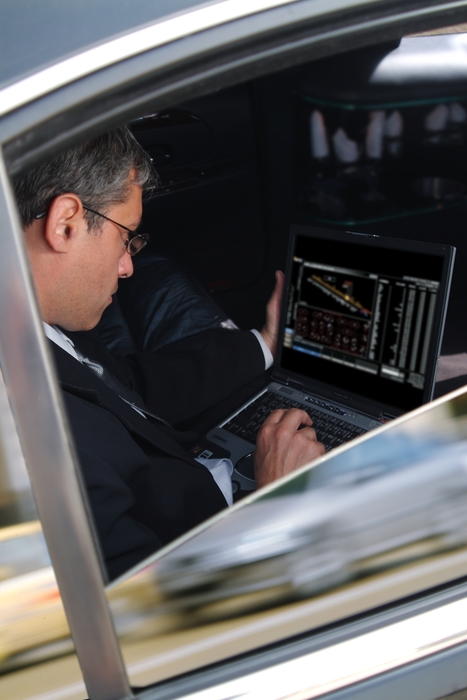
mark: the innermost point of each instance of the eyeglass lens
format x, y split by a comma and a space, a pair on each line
136, 243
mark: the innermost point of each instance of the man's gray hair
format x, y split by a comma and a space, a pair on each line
97, 171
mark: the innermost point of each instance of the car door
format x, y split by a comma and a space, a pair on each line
132, 68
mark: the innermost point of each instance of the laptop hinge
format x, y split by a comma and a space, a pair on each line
385, 416
294, 384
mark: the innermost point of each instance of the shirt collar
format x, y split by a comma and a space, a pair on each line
59, 338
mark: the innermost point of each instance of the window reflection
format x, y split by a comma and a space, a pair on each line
373, 522
16, 501
32, 620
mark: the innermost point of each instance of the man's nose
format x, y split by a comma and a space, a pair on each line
125, 266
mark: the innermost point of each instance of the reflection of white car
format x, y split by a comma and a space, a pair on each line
31, 611
301, 544
22, 550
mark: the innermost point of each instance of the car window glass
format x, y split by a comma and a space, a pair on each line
22, 53
171, 617
348, 535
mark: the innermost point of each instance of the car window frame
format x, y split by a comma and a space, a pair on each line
225, 53
89, 617
50, 456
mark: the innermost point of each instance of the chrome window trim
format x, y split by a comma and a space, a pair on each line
295, 13
137, 42
351, 661
10, 227
33, 127
160, 33
49, 455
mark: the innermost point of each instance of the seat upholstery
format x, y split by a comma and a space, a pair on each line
158, 305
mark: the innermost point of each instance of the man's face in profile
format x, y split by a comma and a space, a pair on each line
101, 258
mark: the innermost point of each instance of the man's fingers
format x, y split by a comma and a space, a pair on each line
293, 418
309, 432
278, 291
285, 442
271, 327
276, 416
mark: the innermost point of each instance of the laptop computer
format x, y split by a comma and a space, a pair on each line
360, 335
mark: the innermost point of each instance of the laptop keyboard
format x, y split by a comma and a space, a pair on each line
330, 430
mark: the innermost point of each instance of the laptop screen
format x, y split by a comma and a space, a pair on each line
365, 314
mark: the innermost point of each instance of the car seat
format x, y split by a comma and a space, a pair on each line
159, 304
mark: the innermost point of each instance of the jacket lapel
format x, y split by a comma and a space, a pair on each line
80, 381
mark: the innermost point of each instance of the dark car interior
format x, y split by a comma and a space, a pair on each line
237, 167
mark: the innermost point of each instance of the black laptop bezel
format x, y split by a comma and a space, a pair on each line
348, 397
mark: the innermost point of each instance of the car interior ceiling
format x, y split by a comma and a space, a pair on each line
236, 170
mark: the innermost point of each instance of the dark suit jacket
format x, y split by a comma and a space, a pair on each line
143, 487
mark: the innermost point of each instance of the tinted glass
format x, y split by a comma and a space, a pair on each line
372, 522
32, 619
21, 52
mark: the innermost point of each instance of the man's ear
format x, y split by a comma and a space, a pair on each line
65, 219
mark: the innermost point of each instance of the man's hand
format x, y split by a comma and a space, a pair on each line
285, 442
270, 329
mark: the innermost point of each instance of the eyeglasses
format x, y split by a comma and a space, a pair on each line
135, 241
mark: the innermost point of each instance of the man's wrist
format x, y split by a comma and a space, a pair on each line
268, 357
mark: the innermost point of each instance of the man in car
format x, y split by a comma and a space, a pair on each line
80, 213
